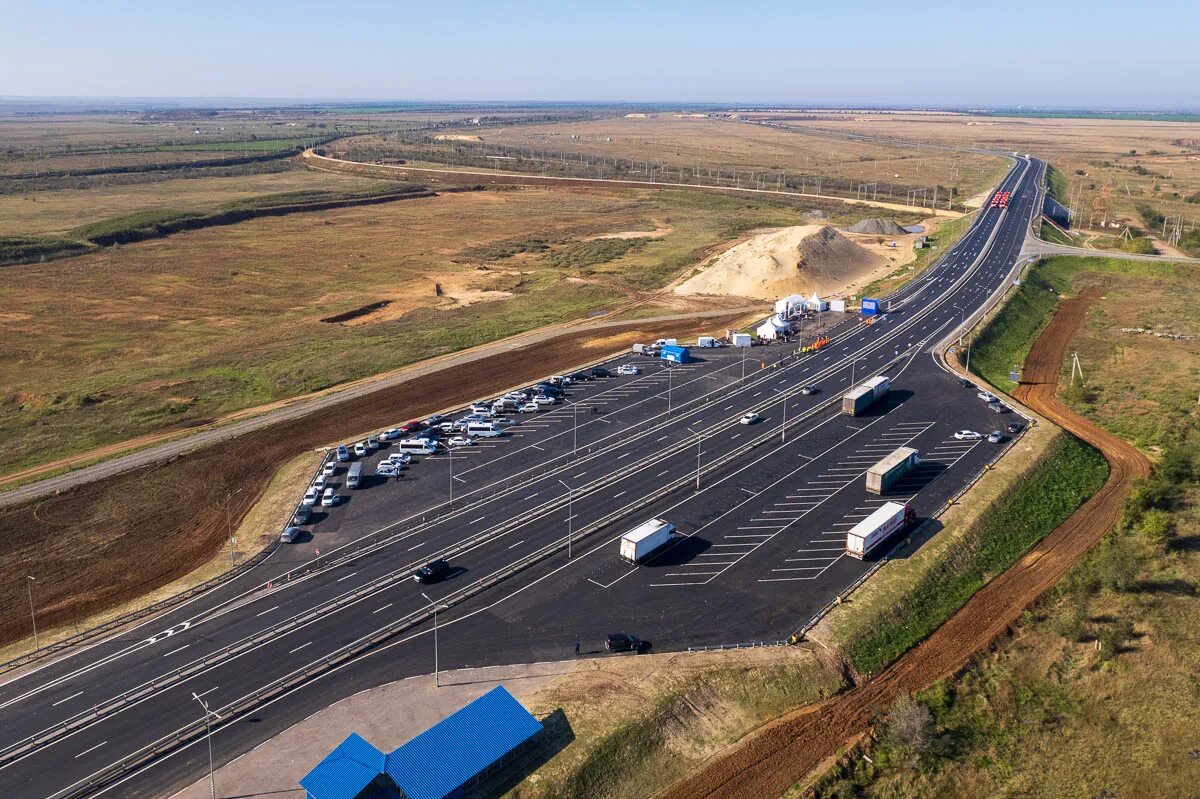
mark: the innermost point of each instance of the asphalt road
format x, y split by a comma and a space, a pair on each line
763, 510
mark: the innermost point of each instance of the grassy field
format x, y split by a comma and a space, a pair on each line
171, 332
1095, 693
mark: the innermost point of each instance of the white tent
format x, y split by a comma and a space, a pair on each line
817, 304
789, 305
772, 328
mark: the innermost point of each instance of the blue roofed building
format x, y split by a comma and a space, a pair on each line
440, 763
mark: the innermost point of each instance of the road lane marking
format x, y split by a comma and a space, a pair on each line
477, 521
209, 691
623, 493
297, 649
514, 546
382, 609
410, 549
347, 577
93, 749
265, 612
664, 471
68, 699
178, 649
534, 494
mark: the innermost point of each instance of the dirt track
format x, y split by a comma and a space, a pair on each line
790, 748
109, 541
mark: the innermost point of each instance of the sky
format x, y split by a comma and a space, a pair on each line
1064, 53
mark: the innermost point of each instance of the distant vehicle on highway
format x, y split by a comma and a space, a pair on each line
808, 390
624, 642
433, 572
967, 435
330, 498
995, 437
343, 454
987, 396
750, 418
1015, 427
289, 535
628, 369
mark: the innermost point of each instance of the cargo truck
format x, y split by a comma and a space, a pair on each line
869, 535
856, 401
640, 542
885, 474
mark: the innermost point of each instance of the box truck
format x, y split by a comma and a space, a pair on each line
885, 474
866, 537
643, 540
856, 401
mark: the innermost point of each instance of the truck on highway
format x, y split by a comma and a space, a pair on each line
640, 542
869, 535
885, 474
856, 401
354, 475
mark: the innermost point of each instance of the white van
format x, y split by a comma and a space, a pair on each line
482, 430
354, 476
417, 446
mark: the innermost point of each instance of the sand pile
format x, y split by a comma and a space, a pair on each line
877, 226
795, 260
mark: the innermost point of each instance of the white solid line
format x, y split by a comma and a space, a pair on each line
68, 699
209, 691
423, 543
178, 649
297, 649
581, 474
382, 609
623, 455
347, 577
477, 521
534, 494
94, 748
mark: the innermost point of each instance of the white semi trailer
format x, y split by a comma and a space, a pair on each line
866, 537
640, 542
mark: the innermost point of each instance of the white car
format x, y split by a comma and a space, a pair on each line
329, 498
460, 441
329, 469
311, 496
530, 407
398, 457
543, 401
628, 369
481, 408
360, 450
995, 437
987, 396
372, 443
319, 483
505, 421
386, 469
750, 418
967, 435
391, 434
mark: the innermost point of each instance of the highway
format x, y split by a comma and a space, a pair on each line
763, 510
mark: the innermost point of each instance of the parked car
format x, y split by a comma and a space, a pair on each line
995, 437
329, 468
530, 407
372, 443
413, 426
997, 407
330, 498
432, 421
967, 435
398, 457
750, 418
391, 434
319, 482
302, 515
1015, 427
808, 390
628, 369
600, 371
581, 376
446, 427
360, 450
433, 572
460, 441
987, 396
543, 401
343, 454
481, 408
310, 496
388, 469
289, 535
505, 422
624, 642
561, 380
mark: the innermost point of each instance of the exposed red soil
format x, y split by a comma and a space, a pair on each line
111, 541
789, 749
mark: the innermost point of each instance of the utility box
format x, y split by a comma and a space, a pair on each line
885, 474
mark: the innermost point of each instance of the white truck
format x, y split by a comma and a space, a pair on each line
640, 542
872, 532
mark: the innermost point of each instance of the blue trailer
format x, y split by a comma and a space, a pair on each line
870, 307
671, 352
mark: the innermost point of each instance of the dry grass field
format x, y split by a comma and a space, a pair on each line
170, 332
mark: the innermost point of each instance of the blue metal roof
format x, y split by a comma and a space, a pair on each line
345, 771
452, 752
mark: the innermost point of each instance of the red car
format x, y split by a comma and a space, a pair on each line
411, 427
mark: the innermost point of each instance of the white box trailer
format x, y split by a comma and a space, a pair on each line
885, 474
641, 541
864, 395
741, 339
871, 533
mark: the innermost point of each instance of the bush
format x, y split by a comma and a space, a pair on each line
1150, 216
1138, 246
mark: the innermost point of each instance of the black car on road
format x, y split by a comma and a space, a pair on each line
433, 572
600, 371
624, 642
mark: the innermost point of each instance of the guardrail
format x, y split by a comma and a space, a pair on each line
745, 645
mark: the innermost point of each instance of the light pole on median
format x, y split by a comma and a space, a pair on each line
229, 521
570, 516
208, 715
32, 616
783, 426
450, 449
961, 319
698, 440
437, 676
744, 349
575, 430
670, 373
853, 368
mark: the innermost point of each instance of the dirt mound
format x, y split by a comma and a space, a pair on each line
788, 749
795, 260
877, 226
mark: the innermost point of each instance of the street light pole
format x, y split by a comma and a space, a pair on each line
229, 521
450, 449
570, 516
744, 363
575, 431
783, 427
670, 375
437, 676
33, 616
212, 784
698, 440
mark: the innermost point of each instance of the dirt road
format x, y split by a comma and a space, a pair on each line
790, 748
108, 541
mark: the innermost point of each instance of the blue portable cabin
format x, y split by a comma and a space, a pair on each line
675, 353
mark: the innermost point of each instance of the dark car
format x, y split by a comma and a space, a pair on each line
411, 427
1014, 427
436, 419
303, 515
577, 376
433, 572
808, 390
549, 389
624, 642
600, 371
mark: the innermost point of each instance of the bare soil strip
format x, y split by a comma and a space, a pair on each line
790, 748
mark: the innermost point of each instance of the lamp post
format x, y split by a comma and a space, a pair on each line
208, 714
783, 426
670, 375
450, 449
853, 368
961, 320
744, 363
570, 516
229, 521
437, 676
33, 616
698, 440
575, 430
